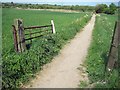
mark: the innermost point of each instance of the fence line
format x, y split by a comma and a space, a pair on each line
113, 53
19, 34
34, 27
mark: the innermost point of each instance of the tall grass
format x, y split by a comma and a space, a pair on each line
18, 68
98, 52
32, 18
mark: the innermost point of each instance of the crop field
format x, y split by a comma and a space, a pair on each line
19, 67
98, 52
34, 18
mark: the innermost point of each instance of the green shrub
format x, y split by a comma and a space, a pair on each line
103, 8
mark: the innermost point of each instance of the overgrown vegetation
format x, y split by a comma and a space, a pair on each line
19, 67
98, 52
103, 8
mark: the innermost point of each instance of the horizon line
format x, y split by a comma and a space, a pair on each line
67, 3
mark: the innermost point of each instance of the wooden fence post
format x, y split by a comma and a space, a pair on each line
119, 32
20, 35
15, 38
53, 26
113, 53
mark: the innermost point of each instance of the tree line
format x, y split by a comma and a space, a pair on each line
103, 8
100, 8
48, 6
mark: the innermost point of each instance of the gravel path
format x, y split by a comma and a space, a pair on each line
63, 71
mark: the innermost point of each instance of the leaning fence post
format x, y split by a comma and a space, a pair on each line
53, 26
20, 35
113, 55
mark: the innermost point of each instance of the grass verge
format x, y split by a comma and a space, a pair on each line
98, 52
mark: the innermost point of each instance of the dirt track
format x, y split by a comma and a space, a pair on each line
55, 10
63, 71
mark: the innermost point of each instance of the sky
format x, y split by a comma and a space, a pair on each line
60, 0
63, 2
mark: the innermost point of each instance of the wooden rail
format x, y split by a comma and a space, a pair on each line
19, 35
35, 27
33, 37
35, 32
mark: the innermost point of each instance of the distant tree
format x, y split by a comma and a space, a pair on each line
72, 7
76, 7
12, 3
103, 8
48, 6
100, 8
107, 11
112, 8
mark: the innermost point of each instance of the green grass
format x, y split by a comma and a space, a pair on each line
98, 52
32, 18
19, 67
83, 84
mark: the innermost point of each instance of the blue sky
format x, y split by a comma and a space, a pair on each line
60, 0
64, 2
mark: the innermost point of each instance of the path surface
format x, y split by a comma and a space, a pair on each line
63, 71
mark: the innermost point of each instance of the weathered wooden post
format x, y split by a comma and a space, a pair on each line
113, 53
15, 38
53, 26
119, 32
20, 35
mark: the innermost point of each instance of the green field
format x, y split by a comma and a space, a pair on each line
32, 18
19, 67
98, 53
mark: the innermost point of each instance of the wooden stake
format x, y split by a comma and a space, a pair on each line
53, 26
15, 38
17, 34
20, 35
